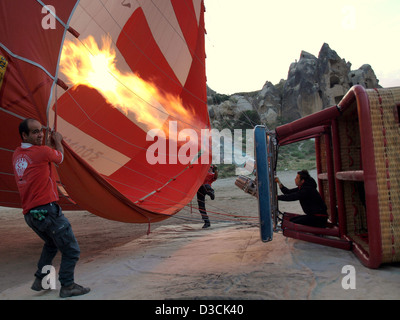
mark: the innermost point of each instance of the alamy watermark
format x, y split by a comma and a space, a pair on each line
49, 20
349, 280
190, 146
49, 280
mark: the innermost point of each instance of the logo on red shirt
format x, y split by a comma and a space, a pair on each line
20, 166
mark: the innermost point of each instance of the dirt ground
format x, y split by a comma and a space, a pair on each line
180, 260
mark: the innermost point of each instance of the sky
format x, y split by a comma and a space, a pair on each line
254, 41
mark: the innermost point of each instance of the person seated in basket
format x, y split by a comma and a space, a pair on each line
310, 200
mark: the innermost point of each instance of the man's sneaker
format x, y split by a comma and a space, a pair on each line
207, 224
73, 290
37, 284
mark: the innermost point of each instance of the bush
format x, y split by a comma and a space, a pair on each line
218, 98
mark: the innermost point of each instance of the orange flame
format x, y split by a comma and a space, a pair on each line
85, 63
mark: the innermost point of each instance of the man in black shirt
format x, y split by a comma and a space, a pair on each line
310, 200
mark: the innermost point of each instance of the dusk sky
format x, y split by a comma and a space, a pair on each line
250, 42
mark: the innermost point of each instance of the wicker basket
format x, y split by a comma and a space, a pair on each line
363, 142
384, 108
372, 224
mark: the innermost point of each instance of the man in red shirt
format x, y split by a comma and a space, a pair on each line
32, 163
206, 189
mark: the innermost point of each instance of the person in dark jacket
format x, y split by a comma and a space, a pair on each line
206, 189
310, 200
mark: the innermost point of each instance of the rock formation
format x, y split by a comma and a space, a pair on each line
312, 84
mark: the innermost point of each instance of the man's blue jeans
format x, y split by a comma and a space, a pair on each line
56, 232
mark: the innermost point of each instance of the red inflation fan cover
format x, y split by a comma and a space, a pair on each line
135, 135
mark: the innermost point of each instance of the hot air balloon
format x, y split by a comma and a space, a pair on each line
125, 84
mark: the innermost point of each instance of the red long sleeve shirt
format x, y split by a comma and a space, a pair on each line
33, 174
